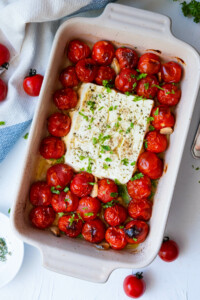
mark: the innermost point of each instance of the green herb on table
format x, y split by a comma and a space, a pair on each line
25, 136
191, 9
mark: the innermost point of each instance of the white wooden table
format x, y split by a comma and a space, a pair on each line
174, 281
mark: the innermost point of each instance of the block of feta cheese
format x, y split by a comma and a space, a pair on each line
107, 132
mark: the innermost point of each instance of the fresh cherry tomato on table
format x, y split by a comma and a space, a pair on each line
52, 147
77, 50
71, 225
140, 209
126, 80
149, 63
126, 57
86, 70
171, 72
4, 56
68, 77
40, 193
3, 90
149, 164
88, 208
59, 124
169, 250
59, 176
103, 53
162, 117
65, 98
32, 83
107, 190
139, 188
94, 231
134, 286
115, 215
64, 202
136, 231
42, 216
147, 87
81, 184
105, 73
169, 94
155, 142
115, 236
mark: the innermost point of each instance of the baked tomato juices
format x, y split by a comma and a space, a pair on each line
103, 156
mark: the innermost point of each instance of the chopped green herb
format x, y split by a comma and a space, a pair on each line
146, 85
84, 208
137, 176
159, 87
89, 168
109, 204
141, 75
84, 116
197, 168
191, 9
111, 152
133, 76
117, 125
94, 140
154, 183
82, 169
3, 250
134, 239
110, 108
152, 194
151, 128
107, 85
25, 136
9, 210
100, 96
121, 226
125, 161
54, 191
108, 159
145, 144
108, 126
91, 120
89, 127
127, 93
134, 85
119, 118
82, 157
149, 119
66, 189
80, 236
123, 192
66, 199
101, 107
108, 181
105, 166
132, 125
133, 163
2, 123
138, 70
157, 111
91, 104
72, 219
114, 195
89, 214
138, 98
105, 147
61, 214
60, 160
91, 183
117, 181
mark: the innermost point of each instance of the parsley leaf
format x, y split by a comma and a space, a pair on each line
191, 9
113, 195
88, 214
82, 157
133, 163
157, 111
108, 159
105, 147
84, 116
54, 191
61, 214
2, 123
108, 204
125, 161
151, 128
141, 75
66, 189
25, 136
105, 166
159, 87
149, 119
146, 85
127, 93
134, 85
137, 176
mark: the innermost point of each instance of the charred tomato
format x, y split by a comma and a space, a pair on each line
59, 176
171, 72
115, 236
136, 231
81, 184
147, 87
94, 231
71, 225
105, 73
140, 209
107, 190
126, 57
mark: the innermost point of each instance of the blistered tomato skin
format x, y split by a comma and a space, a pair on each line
116, 238
105, 73
65, 98
126, 57
146, 87
4, 55
64, 202
42, 216
71, 225
171, 72
52, 147
77, 50
136, 231
115, 215
126, 80
59, 124
40, 193
103, 53
169, 95
59, 176
107, 190
149, 164
156, 142
149, 63
80, 184
86, 70
139, 188
3, 90
94, 231
88, 208
68, 77
140, 209
162, 117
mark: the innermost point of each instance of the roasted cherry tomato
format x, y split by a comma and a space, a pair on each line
40, 193
105, 73
136, 231
115, 215
86, 70
171, 72
155, 142
81, 184
139, 188
32, 83
149, 63
52, 147
94, 231
77, 50
68, 77
88, 208
115, 236
150, 165
71, 225
59, 124
162, 117
42, 216
134, 286
147, 87
107, 190
59, 176
140, 209
65, 98
4, 56
169, 250
126, 57
3, 90
64, 202
169, 95
126, 80
103, 53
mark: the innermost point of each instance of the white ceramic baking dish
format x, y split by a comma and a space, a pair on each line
128, 26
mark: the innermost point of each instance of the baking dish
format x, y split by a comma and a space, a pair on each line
123, 26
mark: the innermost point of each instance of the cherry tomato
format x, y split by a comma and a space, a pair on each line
149, 63
136, 231
3, 90
103, 53
94, 231
115, 236
4, 56
88, 208
126, 80
59, 124
64, 202
81, 184
77, 50
105, 73
42, 216
149, 164
40, 193
68, 77
140, 209
162, 117
155, 142
126, 57
134, 286
107, 190
115, 215
146, 87
139, 188
59, 176
171, 72
32, 83
86, 70
169, 95
52, 147
65, 98
71, 225
169, 250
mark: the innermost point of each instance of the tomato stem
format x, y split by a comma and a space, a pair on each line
166, 238
32, 72
4, 66
139, 275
